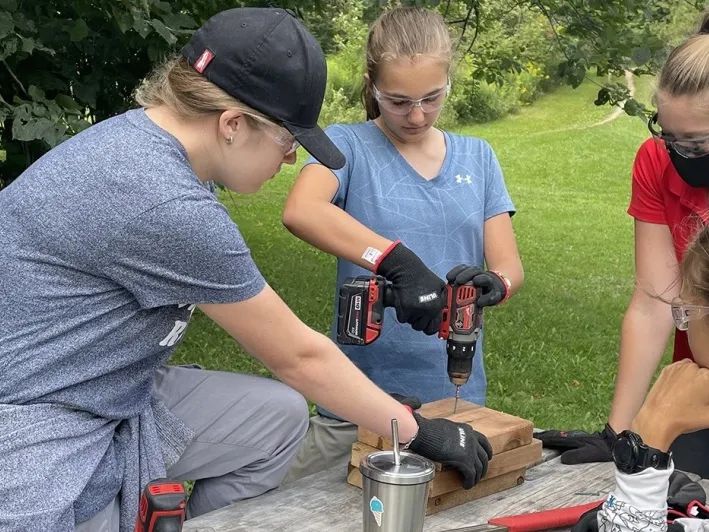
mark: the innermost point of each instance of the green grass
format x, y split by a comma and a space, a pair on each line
551, 351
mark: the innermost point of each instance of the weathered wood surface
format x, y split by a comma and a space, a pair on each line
325, 502
503, 431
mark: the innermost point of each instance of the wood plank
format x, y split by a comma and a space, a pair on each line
444, 501
503, 431
482, 489
448, 479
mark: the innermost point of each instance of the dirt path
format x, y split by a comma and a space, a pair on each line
617, 111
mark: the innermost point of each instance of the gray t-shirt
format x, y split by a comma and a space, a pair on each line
106, 244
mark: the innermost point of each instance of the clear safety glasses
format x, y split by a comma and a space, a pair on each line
688, 148
403, 106
683, 313
278, 134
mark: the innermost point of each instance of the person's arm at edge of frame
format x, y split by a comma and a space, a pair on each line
309, 362
309, 214
677, 403
647, 323
501, 253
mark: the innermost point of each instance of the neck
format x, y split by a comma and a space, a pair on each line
194, 134
400, 144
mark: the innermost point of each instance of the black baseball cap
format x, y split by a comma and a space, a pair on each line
266, 58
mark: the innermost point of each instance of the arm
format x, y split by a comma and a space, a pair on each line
309, 215
308, 212
677, 403
647, 323
501, 252
309, 362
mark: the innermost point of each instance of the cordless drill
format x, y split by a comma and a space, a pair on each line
162, 507
360, 315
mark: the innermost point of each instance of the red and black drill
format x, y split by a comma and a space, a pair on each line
360, 315
162, 507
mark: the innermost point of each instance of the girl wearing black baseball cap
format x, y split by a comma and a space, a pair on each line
112, 239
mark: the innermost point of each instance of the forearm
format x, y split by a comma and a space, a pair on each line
643, 339
324, 375
334, 231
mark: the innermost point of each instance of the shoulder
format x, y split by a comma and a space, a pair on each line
651, 160
469, 144
352, 132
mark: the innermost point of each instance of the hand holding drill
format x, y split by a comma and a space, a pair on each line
417, 291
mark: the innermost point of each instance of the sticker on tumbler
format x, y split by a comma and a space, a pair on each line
377, 509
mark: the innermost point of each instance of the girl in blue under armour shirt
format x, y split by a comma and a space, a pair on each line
411, 203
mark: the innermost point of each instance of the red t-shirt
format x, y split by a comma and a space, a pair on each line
661, 196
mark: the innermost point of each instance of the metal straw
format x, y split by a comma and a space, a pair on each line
395, 439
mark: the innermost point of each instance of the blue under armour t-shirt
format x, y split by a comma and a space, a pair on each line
441, 220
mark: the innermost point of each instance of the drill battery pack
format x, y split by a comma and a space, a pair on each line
360, 309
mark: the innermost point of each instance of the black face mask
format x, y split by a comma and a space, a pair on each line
695, 172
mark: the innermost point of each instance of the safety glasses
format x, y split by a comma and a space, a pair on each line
403, 106
278, 134
683, 313
687, 148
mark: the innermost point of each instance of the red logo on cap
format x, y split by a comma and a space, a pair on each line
203, 60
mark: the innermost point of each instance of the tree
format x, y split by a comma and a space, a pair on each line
65, 64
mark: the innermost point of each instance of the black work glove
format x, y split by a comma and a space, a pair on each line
492, 287
453, 444
682, 491
411, 401
578, 447
418, 292
588, 522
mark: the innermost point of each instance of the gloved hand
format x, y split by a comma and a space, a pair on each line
454, 444
578, 447
418, 292
411, 401
493, 288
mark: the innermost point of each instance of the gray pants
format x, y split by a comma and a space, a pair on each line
248, 430
328, 443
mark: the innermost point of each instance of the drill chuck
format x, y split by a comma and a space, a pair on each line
460, 360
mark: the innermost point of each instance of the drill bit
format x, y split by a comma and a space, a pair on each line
457, 396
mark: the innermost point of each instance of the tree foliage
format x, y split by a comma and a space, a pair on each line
67, 64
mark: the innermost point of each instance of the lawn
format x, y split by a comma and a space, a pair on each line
551, 351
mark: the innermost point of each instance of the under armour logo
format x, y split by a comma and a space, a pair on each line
460, 179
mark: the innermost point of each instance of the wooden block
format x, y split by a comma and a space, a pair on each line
447, 479
482, 489
503, 431
449, 500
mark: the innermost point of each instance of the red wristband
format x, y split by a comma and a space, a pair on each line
384, 254
507, 283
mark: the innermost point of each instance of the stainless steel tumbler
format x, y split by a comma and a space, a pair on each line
395, 496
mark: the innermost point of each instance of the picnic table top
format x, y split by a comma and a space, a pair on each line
325, 502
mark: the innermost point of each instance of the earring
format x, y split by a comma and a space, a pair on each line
229, 139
